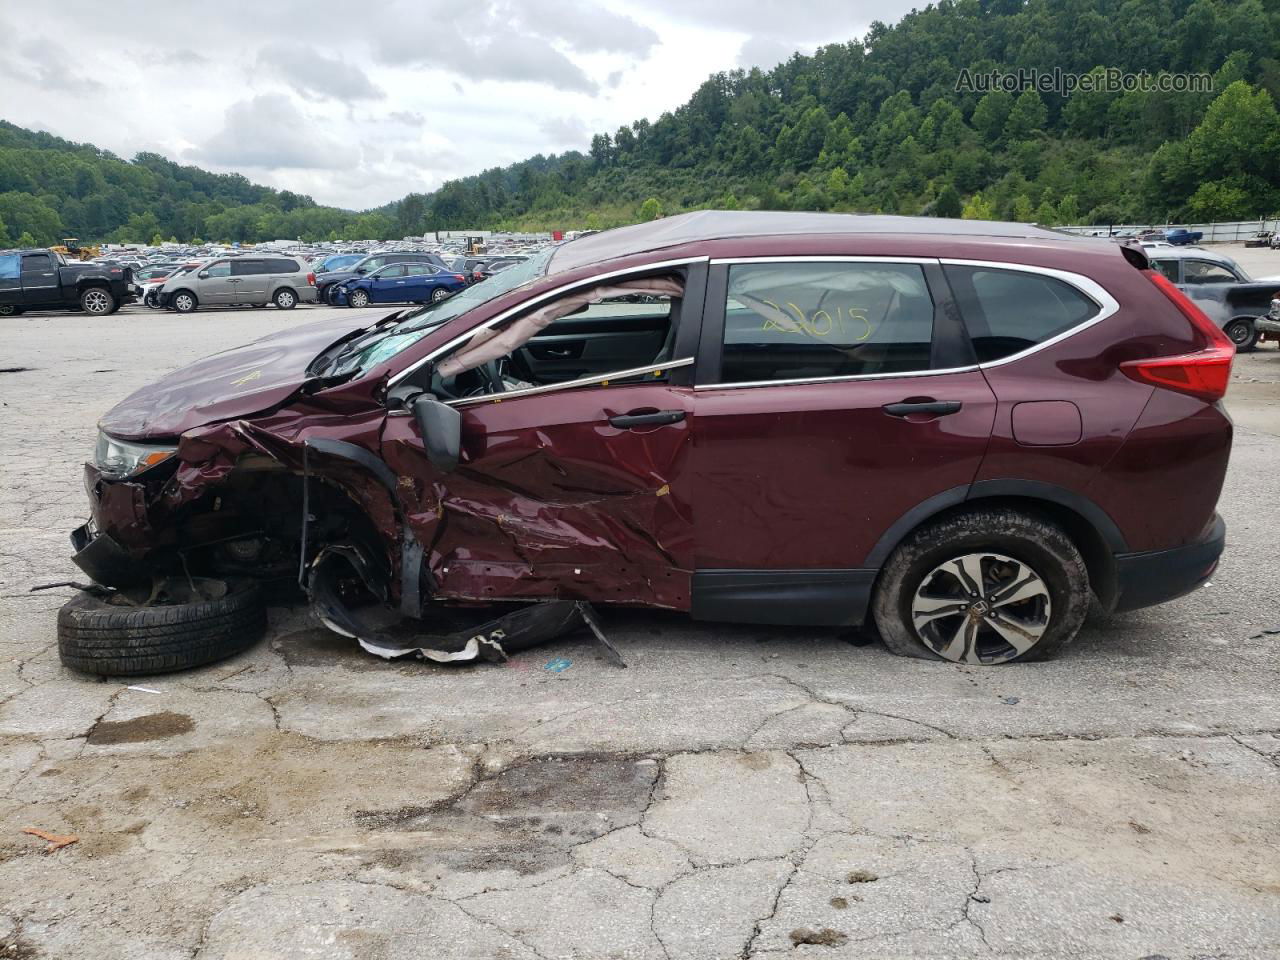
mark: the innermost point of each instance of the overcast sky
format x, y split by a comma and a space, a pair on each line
358, 104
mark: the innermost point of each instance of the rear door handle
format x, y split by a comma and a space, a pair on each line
932, 408
646, 418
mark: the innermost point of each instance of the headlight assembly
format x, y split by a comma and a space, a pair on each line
118, 458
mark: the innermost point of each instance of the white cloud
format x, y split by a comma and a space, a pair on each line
317, 76
270, 132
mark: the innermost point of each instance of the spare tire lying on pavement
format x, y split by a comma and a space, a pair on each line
169, 627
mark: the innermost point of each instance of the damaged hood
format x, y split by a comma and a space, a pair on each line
235, 383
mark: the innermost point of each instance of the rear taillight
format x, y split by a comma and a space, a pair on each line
311, 279
458, 276
1204, 374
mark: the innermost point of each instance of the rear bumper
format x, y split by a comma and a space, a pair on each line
1145, 579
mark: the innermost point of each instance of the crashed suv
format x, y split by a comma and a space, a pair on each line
958, 430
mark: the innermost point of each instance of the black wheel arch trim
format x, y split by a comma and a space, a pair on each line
1098, 518
412, 553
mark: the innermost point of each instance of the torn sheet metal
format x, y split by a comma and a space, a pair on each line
494, 640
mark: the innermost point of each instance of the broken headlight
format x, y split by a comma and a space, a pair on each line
118, 458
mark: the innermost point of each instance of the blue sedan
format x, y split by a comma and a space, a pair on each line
400, 283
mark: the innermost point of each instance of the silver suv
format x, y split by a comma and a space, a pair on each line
251, 281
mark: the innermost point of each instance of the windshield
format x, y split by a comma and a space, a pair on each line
380, 342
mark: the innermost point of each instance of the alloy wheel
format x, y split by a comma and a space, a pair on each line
96, 301
981, 608
438, 294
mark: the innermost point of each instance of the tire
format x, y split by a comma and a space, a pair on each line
150, 301
285, 299
8, 310
357, 298
1243, 334
95, 636
1012, 547
97, 301
331, 295
438, 294
184, 301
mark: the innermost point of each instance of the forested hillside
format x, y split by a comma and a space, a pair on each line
878, 125
875, 124
51, 188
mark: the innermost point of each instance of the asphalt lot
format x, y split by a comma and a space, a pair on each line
732, 792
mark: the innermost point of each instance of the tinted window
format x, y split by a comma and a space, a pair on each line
282, 266
1008, 311
9, 267
248, 268
793, 321
1203, 271
1169, 268
36, 262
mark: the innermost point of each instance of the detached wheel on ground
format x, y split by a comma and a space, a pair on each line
184, 301
97, 301
112, 636
357, 298
285, 299
983, 587
1243, 334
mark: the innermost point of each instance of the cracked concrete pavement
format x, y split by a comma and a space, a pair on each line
736, 792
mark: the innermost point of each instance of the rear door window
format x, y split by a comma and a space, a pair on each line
282, 266
801, 321
1170, 268
1008, 311
248, 268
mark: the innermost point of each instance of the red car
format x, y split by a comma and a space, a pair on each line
957, 430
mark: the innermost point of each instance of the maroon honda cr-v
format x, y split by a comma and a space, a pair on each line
958, 429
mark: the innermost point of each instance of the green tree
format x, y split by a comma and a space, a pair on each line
991, 114
948, 203
1027, 118
651, 209
978, 209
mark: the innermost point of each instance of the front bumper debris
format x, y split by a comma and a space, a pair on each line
493, 641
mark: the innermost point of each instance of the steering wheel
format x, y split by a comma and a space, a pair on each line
491, 373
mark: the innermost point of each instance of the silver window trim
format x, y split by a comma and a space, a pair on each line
815, 258
1107, 306
569, 384
533, 301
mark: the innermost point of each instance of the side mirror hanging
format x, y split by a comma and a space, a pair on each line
441, 429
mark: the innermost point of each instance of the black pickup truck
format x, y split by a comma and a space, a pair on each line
44, 280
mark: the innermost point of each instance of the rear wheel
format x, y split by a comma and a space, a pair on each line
984, 587
438, 294
97, 301
285, 299
9, 310
358, 298
1242, 333
184, 301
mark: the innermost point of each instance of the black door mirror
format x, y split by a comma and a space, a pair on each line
441, 428
361, 270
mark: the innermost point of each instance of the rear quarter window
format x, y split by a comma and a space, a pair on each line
1008, 311
282, 266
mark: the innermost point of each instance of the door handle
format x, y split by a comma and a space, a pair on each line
646, 418
932, 408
